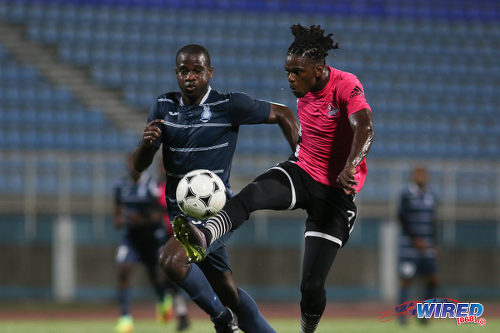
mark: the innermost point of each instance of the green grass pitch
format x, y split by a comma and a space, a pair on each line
351, 325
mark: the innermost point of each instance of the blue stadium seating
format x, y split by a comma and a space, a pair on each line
36, 115
430, 69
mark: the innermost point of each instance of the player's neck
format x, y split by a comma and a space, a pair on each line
323, 81
188, 101
420, 187
195, 100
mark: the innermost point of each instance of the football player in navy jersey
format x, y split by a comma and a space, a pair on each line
138, 214
417, 246
197, 128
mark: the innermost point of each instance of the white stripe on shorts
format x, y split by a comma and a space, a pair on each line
323, 235
294, 200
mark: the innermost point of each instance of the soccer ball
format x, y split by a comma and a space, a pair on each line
201, 194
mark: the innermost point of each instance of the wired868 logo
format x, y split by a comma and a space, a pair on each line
439, 308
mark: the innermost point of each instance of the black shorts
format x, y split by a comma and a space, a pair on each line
331, 212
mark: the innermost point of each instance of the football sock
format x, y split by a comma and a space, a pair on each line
160, 291
430, 291
403, 297
319, 255
250, 319
270, 190
199, 289
403, 294
217, 226
309, 322
159, 286
124, 301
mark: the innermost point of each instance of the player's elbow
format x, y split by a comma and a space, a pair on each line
280, 114
366, 131
370, 131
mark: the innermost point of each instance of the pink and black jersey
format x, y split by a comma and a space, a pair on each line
325, 133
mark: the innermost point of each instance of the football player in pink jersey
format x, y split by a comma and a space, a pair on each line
327, 171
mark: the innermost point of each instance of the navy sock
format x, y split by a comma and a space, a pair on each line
250, 319
430, 291
160, 289
403, 298
403, 295
201, 292
124, 301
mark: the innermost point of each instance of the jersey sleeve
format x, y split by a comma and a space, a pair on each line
152, 115
247, 110
353, 95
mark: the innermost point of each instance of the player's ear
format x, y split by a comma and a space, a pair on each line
319, 68
176, 70
210, 72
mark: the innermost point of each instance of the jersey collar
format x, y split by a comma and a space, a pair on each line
203, 100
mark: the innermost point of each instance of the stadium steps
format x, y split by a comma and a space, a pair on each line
75, 79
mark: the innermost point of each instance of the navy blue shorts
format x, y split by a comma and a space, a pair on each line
409, 267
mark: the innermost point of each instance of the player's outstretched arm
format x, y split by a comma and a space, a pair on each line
143, 155
362, 125
289, 125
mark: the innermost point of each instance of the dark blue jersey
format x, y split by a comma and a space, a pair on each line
202, 136
139, 197
417, 214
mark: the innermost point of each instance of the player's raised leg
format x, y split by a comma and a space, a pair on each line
271, 190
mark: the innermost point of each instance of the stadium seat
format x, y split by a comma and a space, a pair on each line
423, 82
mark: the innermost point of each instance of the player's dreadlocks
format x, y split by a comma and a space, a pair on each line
311, 42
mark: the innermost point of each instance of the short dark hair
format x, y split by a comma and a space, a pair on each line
311, 43
193, 49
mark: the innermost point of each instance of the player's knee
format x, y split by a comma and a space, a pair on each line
313, 296
312, 289
174, 265
240, 206
246, 199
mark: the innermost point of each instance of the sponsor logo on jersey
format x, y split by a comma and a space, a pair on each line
332, 110
356, 92
173, 113
206, 114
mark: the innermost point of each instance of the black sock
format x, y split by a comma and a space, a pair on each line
208, 235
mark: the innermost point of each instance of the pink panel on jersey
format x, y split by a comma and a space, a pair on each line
325, 130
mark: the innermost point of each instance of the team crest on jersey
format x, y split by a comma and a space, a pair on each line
332, 110
206, 114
